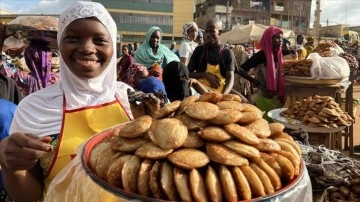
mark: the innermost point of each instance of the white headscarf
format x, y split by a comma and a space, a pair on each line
40, 113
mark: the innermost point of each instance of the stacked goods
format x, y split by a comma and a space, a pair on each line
211, 148
353, 64
323, 49
334, 171
318, 111
300, 68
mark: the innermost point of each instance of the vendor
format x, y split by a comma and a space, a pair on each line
309, 45
268, 65
87, 99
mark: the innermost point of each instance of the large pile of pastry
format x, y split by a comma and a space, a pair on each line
324, 49
318, 111
300, 68
211, 148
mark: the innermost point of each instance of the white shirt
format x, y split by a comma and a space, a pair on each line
187, 48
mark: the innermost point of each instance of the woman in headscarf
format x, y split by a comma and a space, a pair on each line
125, 62
268, 65
50, 124
188, 43
153, 54
178, 83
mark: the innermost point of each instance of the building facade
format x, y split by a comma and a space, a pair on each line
135, 17
287, 14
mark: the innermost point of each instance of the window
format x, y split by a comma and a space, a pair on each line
128, 18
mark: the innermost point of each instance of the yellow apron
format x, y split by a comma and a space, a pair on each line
214, 70
79, 125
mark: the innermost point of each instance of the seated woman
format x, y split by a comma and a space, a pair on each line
153, 85
178, 83
153, 54
288, 53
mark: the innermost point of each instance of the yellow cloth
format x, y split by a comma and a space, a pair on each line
214, 70
78, 126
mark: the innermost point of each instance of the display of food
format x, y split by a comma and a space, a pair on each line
300, 68
318, 111
353, 63
334, 171
212, 148
323, 49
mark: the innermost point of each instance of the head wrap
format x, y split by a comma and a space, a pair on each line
186, 28
153, 85
310, 38
286, 41
270, 54
176, 80
133, 69
41, 112
144, 54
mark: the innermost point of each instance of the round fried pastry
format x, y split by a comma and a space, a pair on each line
103, 162
260, 128
166, 110
230, 105
226, 116
169, 133
151, 151
167, 181
193, 140
276, 127
242, 133
137, 127
231, 97
144, 177
202, 110
214, 134
197, 186
189, 158
191, 123
225, 156
114, 171
257, 188
268, 187
267, 145
244, 150
96, 151
272, 163
185, 102
154, 182
182, 184
127, 144
129, 174
249, 117
250, 108
212, 184
212, 97
288, 170
271, 173
242, 184
227, 184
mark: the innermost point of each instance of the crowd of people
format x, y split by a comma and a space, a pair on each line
41, 109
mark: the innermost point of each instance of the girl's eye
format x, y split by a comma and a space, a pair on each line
71, 38
101, 40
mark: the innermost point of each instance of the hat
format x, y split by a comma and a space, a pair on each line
310, 38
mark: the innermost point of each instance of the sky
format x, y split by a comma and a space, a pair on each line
333, 11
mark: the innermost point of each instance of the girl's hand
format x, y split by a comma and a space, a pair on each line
21, 151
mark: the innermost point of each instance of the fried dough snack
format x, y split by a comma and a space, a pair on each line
210, 149
318, 111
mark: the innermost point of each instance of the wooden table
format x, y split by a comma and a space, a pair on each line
298, 91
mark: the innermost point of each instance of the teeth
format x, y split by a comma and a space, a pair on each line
86, 62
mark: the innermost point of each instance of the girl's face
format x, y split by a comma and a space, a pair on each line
155, 39
277, 41
86, 47
192, 33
